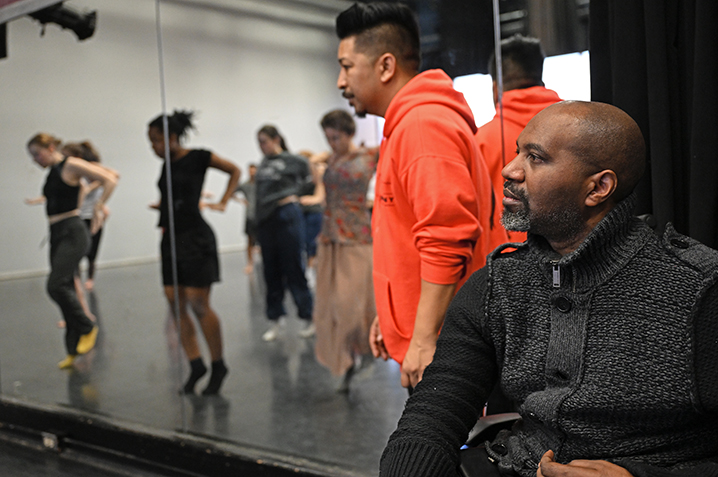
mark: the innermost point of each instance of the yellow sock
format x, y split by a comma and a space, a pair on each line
87, 341
67, 362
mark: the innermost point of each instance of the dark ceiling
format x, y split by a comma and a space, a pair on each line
457, 35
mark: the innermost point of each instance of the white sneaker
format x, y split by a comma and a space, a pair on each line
311, 276
272, 333
308, 331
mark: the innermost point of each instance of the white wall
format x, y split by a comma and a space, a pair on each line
236, 72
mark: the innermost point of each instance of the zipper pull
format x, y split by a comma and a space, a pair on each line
556, 276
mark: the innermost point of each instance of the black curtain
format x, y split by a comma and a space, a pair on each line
658, 61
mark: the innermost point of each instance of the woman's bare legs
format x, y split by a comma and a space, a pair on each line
250, 255
83, 300
188, 337
198, 299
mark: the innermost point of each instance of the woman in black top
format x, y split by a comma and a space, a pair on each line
196, 247
69, 238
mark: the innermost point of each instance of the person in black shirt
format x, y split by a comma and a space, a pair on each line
69, 239
280, 227
196, 248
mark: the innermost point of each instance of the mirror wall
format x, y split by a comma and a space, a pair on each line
239, 65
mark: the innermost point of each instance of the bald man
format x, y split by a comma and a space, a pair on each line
604, 333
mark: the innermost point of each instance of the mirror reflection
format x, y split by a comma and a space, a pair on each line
238, 66
189, 249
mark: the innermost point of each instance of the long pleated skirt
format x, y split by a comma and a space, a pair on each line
344, 304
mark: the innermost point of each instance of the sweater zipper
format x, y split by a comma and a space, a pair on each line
556, 274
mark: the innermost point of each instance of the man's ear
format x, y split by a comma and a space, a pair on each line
386, 64
601, 187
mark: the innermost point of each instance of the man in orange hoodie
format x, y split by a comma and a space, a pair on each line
524, 96
435, 217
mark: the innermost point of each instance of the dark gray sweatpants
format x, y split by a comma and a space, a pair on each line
69, 241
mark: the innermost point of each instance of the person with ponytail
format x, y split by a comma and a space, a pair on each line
90, 193
69, 239
280, 228
196, 247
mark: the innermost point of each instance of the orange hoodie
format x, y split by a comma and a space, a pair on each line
434, 208
520, 105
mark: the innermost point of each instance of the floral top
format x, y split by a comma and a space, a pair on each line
346, 179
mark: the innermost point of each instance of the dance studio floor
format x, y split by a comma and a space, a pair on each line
276, 396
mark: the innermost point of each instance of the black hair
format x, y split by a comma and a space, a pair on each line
273, 133
179, 123
521, 61
339, 120
380, 28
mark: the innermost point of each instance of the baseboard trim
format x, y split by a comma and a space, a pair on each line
122, 262
177, 453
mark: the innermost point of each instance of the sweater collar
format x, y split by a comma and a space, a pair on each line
608, 247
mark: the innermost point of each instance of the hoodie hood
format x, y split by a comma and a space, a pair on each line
428, 87
520, 104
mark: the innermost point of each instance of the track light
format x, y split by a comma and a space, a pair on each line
83, 24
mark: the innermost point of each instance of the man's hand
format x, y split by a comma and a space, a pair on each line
548, 467
376, 341
417, 358
433, 302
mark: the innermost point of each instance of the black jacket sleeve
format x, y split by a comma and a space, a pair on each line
447, 402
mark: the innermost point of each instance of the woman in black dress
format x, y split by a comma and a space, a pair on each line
196, 247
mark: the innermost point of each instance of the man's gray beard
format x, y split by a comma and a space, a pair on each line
516, 221
560, 224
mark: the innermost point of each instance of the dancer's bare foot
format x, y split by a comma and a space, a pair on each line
89, 284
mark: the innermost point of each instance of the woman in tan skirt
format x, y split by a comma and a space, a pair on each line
344, 306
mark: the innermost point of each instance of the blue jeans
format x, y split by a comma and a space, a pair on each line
281, 237
312, 227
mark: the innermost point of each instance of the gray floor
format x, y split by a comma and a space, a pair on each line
276, 396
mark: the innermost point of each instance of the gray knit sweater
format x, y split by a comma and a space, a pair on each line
611, 353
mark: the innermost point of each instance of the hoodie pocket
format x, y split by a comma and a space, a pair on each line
384, 302
387, 312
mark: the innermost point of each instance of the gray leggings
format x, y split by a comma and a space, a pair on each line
69, 242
